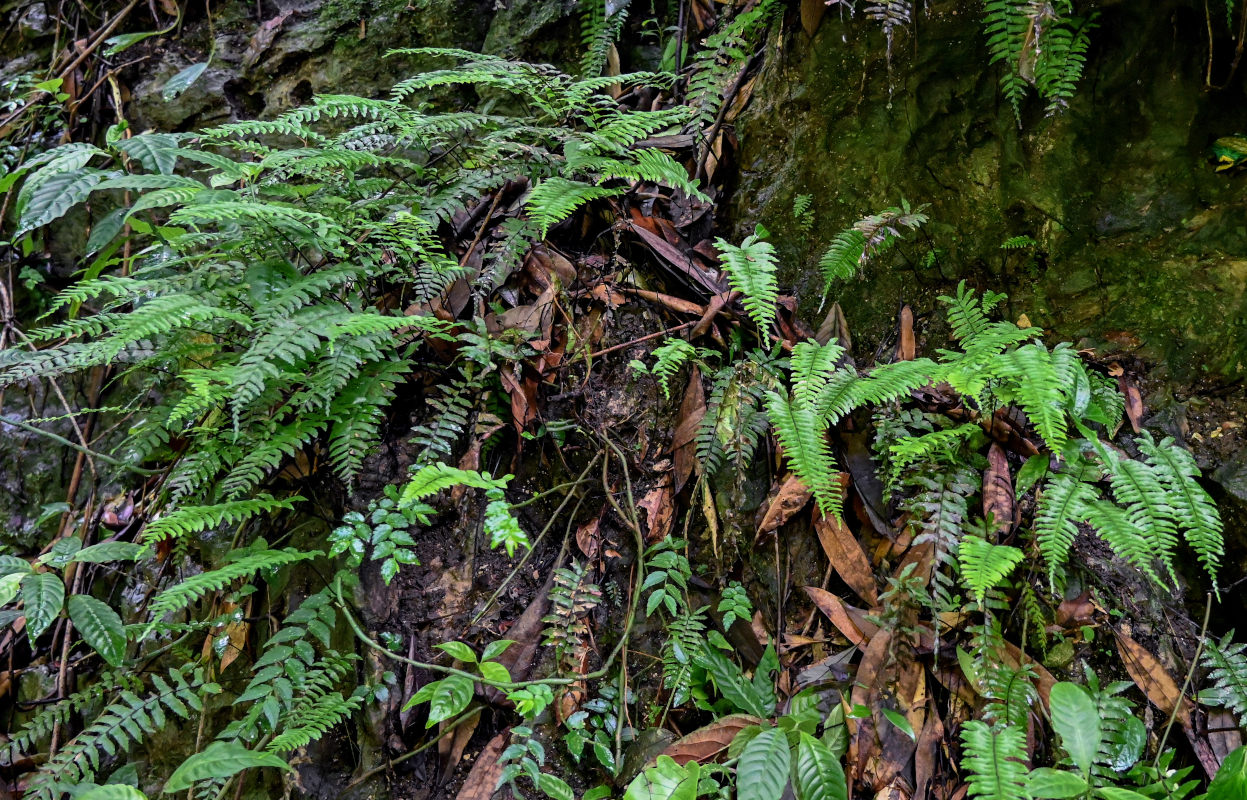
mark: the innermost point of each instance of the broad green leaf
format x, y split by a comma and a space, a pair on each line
51, 198
902, 724
219, 760
1031, 472
666, 780
105, 552
555, 787
817, 774
495, 672
157, 152
446, 697
495, 649
1055, 784
599, 792
458, 650
183, 80
1076, 721
9, 584
762, 772
113, 792
732, 683
1124, 752
43, 595
105, 230
1230, 782
100, 627
124, 40
1116, 793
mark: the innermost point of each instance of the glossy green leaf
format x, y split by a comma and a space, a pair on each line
666, 780
1230, 782
219, 760
1055, 784
1117, 793
496, 648
51, 198
100, 627
732, 683
446, 697
495, 672
105, 230
157, 152
115, 791
458, 650
43, 596
817, 774
762, 772
9, 584
902, 724
1077, 722
555, 787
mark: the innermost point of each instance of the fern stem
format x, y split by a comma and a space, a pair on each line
1186, 682
515, 571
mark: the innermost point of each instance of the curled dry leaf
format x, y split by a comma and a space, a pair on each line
998, 489
706, 743
846, 557
588, 537
659, 513
786, 501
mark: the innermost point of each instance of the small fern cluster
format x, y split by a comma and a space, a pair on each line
868, 238
1039, 44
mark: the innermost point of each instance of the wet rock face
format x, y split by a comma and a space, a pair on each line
1139, 240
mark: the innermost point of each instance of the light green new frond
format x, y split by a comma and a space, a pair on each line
555, 199
933, 445
311, 720
195, 519
967, 313
669, 357
1061, 506
751, 270
843, 257
1194, 510
1227, 665
188, 591
653, 166
803, 434
812, 367
889, 382
597, 33
1040, 391
431, 479
984, 565
994, 759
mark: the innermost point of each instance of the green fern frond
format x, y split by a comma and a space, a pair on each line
751, 271
1227, 665
803, 433
1062, 503
193, 588
555, 199
984, 564
1193, 509
195, 519
994, 758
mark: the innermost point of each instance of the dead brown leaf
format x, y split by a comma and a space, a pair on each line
998, 489
854, 627
706, 743
1134, 401
450, 748
1151, 677
523, 393
812, 15
906, 345
588, 537
659, 513
846, 557
789, 498
684, 440
483, 779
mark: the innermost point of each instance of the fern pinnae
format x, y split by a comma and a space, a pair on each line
804, 437
751, 269
1195, 511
